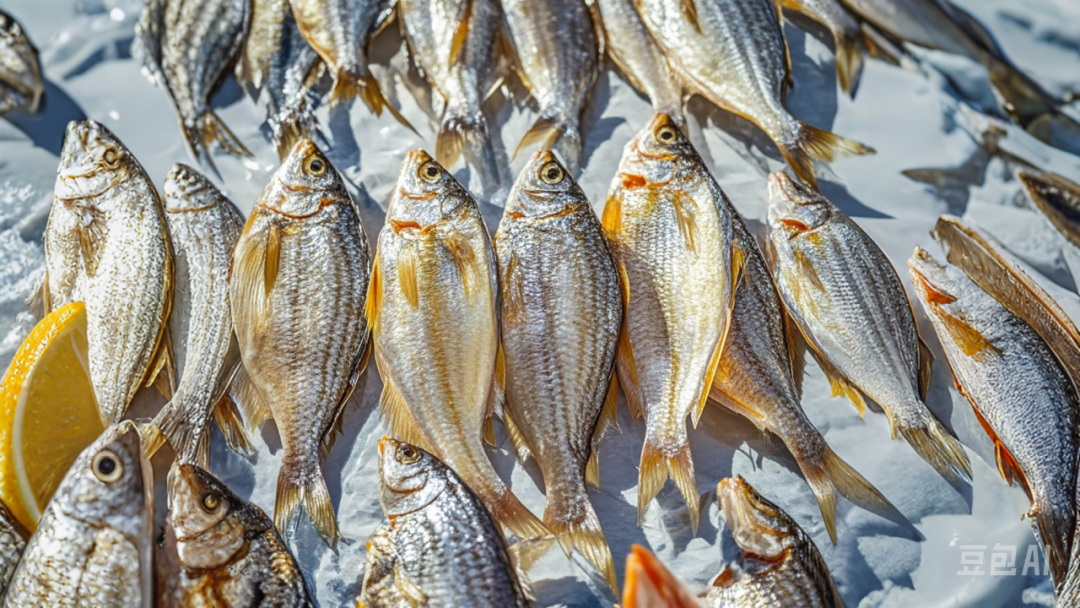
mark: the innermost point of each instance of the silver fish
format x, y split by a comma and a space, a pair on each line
848, 302
433, 309
21, 86
631, 47
279, 67
1023, 397
847, 37
187, 48
561, 314
671, 233
453, 44
441, 547
299, 279
557, 55
107, 244
1056, 198
227, 551
205, 227
760, 377
779, 564
12, 545
92, 546
733, 53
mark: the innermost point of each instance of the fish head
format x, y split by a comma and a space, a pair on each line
543, 188
758, 526
659, 154
649, 583
932, 279
201, 512
92, 161
109, 484
304, 183
795, 208
19, 67
409, 478
186, 189
425, 194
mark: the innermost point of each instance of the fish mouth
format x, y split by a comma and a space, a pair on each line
923, 267
324, 202
739, 504
72, 191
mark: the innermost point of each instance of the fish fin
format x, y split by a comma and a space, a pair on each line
395, 414
463, 132
612, 216
796, 350
840, 385
553, 132
970, 340
832, 475
461, 34
583, 533
465, 260
849, 61
91, 236
374, 302
710, 375
789, 80
211, 128
175, 429
406, 269
625, 366
150, 436
689, 11
308, 488
812, 143
654, 472
521, 448
160, 372
272, 259
247, 397
937, 447
926, 362
592, 468
515, 516
684, 217
1055, 543
38, 301
414, 595
544, 131
496, 398
231, 424
605, 421
513, 292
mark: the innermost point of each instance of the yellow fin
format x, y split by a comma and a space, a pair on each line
38, 302
521, 448
841, 386
406, 269
624, 357
605, 421
587, 536
246, 395
90, 238
544, 130
461, 34
710, 375
398, 420
513, 294
496, 396
612, 216
926, 361
654, 471
966, 337
512, 514
232, 426
373, 304
796, 350
412, 592
933, 443
272, 258
689, 10
685, 206
738, 264
461, 250
160, 373
308, 488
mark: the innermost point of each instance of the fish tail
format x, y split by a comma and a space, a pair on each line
1051, 531
510, 512
571, 518
554, 132
832, 475
1023, 99
209, 128
849, 60
350, 83
468, 133
812, 143
656, 467
300, 482
177, 430
936, 446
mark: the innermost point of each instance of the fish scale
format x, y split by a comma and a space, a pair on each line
631, 47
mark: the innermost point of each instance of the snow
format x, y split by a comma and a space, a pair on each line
909, 114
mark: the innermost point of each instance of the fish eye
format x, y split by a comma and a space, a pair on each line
111, 157
430, 172
551, 173
210, 502
106, 466
314, 166
407, 454
666, 134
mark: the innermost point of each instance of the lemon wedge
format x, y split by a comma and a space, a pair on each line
48, 412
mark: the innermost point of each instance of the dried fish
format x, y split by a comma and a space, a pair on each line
21, 86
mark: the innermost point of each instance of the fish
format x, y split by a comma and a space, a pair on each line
279, 67
21, 85
107, 244
340, 31
1058, 199
779, 564
561, 316
847, 37
433, 311
187, 49
12, 545
93, 544
671, 233
227, 550
452, 42
440, 546
733, 53
944, 26
299, 280
759, 376
1021, 394
204, 227
649, 584
850, 306
630, 47
556, 51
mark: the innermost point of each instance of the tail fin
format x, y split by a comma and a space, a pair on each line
209, 128
553, 132
849, 60
516, 517
350, 83
178, 431
832, 474
812, 143
1049, 531
656, 467
570, 516
301, 482
936, 446
468, 134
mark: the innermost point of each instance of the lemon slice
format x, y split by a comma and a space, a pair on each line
48, 413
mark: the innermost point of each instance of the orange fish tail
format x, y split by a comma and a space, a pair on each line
657, 467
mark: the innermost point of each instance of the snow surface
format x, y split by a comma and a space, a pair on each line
910, 114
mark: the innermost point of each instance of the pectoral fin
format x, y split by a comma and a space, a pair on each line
841, 386
406, 274
926, 361
606, 421
395, 414
374, 302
